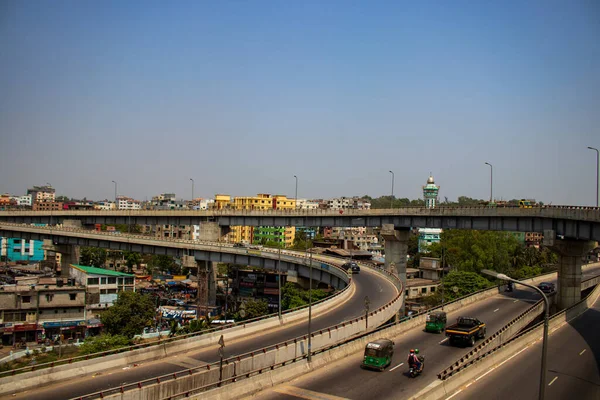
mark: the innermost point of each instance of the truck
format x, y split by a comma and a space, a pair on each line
466, 330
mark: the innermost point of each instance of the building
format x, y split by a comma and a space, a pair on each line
222, 201
105, 205
253, 285
167, 201
431, 268
344, 203
202, 204
533, 239
362, 238
127, 203
47, 206
430, 193
42, 193
45, 309
303, 204
428, 236
102, 285
21, 249
22, 201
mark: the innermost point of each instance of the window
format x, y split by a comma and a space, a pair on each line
26, 299
423, 290
112, 281
103, 281
72, 296
432, 289
92, 281
49, 297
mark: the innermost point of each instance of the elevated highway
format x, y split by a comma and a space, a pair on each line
344, 379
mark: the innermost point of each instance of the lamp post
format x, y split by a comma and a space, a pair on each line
192, 192
309, 304
367, 304
597, 169
546, 311
296, 195
115, 193
392, 199
279, 281
491, 181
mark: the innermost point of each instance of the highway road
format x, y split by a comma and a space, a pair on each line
573, 367
379, 290
345, 379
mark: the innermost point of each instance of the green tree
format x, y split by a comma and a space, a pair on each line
104, 342
163, 263
92, 257
129, 314
132, 258
256, 308
292, 296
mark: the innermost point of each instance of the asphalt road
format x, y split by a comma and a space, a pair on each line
379, 290
345, 379
573, 367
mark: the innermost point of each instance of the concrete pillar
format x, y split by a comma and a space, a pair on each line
69, 254
207, 283
211, 231
396, 250
570, 258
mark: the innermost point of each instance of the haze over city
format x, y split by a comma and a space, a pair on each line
242, 96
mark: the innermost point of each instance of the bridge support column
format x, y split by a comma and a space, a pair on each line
69, 254
570, 258
396, 250
207, 284
212, 231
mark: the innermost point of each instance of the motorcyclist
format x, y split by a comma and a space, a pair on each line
414, 360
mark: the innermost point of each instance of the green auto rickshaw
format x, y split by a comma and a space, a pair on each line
378, 354
435, 322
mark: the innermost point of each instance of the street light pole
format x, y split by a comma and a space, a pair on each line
309, 306
597, 171
392, 199
192, 192
115, 193
546, 315
279, 280
491, 181
296, 195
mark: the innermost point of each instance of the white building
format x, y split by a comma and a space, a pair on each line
105, 205
127, 203
203, 204
23, 200
42, 193
304, 204
104, 282
342, 203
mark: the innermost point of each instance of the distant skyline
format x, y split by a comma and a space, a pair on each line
242, 96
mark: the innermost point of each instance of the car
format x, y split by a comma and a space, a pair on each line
547, 287
351, 266
239, 244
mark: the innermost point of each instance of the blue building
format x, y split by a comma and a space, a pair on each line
21, 250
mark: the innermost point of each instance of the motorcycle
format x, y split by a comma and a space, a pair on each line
413, 371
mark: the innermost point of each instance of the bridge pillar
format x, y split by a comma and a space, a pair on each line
212, 231
207, 282
69, 254
396, 250
570, 258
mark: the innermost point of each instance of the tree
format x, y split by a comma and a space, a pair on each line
163, 263
256, 308
465, 284
132, 258
292, 296
92, 257
129, 314
104, 342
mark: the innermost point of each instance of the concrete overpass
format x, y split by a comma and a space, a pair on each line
569, 230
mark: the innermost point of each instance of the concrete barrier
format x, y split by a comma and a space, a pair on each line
443, 388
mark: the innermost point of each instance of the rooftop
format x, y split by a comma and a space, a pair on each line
100, 271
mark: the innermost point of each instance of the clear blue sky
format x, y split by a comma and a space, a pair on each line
243, 95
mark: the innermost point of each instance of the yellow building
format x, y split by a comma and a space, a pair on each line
222, 201
262, 201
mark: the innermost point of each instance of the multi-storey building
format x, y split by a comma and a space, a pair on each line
343, 203
103, 285
31, 312
203, 204
127, 203
105, 205
22, 201
361, 237
42, 193
303, 204
21, 249
47, 206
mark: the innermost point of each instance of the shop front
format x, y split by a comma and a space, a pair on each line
68, 331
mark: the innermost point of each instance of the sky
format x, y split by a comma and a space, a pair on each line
242, 95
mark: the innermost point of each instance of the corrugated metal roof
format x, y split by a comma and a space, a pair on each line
100, 271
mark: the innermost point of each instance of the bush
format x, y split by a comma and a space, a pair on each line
103, 342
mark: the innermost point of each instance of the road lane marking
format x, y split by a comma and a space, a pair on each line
552, 381
399, 365
496, 309
443, 341
306, 394
582, 351
457, 392
515, 300
481, 376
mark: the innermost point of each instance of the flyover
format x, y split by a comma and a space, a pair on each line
569, 230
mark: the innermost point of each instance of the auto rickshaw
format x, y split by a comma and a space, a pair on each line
378, 354
435, 322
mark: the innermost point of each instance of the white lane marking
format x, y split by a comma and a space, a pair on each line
552, 381
496, 309
399, 365
457, 392
582, 351
443, 341
481, 376
515, 300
